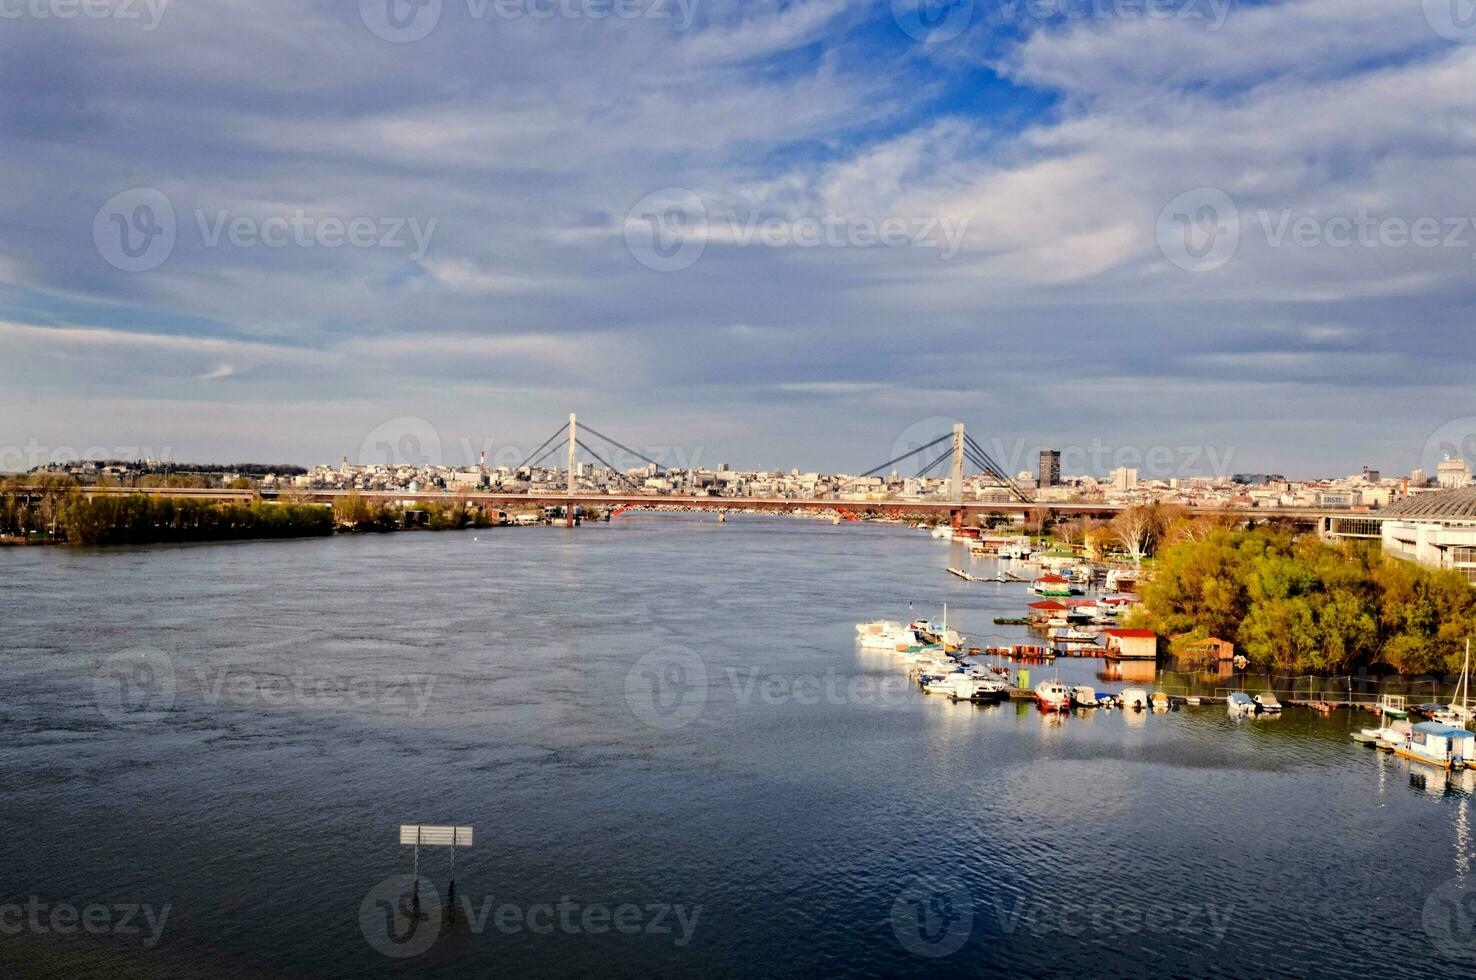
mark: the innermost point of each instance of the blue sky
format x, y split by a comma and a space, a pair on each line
1034, 164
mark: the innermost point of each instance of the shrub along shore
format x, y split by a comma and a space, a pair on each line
64, 514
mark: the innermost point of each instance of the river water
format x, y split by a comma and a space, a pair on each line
675, 759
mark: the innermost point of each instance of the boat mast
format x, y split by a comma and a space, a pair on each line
1466, 683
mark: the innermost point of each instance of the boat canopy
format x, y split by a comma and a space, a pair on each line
1442, 730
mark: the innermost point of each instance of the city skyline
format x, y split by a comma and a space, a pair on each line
707, 225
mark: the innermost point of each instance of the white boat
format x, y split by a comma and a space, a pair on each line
1083, 696
1459, 713
883, 634
1053, 695
1134, 697
1267, 704
1240, 703
1016, 549
1071, 634
1437, 744
962, 687
943, 532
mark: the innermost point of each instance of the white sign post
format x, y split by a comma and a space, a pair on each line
414, 835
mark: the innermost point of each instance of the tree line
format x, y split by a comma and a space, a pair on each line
60, 511
1295, 603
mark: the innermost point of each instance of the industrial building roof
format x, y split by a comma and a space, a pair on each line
1459, 504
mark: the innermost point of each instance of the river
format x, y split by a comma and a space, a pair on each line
675, 759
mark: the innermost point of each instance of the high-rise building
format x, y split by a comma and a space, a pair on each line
1419, 478
1124, 478
1451, 472
1050, 468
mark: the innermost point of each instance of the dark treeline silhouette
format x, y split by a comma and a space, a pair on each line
64, 513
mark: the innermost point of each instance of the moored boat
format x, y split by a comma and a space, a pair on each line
1240, 703
1437, 744
1053, 695
1134, 697
1267, 704
1083, 696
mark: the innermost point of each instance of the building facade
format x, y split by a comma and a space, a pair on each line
1437, 529
1050, 468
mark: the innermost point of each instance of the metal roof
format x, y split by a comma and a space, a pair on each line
1443, 730
1458, 504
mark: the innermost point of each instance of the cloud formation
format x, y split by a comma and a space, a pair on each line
1334, 334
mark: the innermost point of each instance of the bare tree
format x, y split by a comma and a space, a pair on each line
1137, 529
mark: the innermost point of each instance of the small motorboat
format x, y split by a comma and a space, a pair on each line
962, 687
883, 634
1053, 695
1161, 701
1134, 697
1267, 704
1083, 696
1239, 703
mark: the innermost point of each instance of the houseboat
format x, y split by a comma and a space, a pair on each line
1437, 744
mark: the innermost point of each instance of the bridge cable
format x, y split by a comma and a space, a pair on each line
617, 445
877, 469
993, 468
540, 449
929, 468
